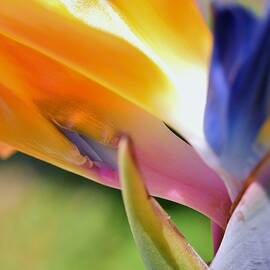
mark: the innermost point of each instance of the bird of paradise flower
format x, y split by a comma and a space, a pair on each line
78, 77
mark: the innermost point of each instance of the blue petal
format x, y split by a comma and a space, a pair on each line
239, 85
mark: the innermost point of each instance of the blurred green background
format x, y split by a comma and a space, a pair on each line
51, 219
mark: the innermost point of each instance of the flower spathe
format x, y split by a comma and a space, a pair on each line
161, 245
77, 76
58, 72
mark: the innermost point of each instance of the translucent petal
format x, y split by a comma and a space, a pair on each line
178, 36
61, 98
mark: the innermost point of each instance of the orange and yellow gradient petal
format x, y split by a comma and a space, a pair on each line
58, 72
159, 46
181, 42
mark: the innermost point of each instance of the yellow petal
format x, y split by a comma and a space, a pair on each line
177, 33
175, 37
171, 28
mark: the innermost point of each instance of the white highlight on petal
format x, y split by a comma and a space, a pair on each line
187, 103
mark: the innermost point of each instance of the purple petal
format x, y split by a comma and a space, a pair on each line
102, 155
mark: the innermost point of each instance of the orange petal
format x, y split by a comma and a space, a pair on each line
6, 151
37, 92
102, 57
164, 79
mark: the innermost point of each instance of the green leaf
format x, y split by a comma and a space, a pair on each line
161, 245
